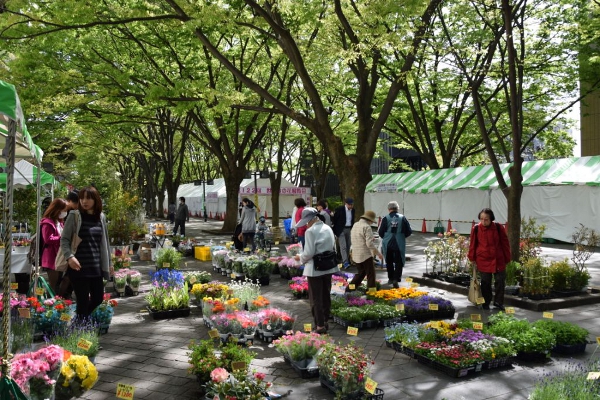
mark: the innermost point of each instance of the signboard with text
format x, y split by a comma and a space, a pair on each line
291, 191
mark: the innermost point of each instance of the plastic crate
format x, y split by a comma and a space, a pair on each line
202, 253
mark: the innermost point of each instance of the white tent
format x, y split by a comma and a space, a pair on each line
216, 196
560, 194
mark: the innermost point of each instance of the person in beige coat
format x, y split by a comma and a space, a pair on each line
363, 248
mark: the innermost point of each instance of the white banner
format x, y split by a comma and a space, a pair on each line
291, 191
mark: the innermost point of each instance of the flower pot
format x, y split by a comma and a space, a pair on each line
328, 384
512, 290
169, 314
533, 356
498, 363
264, 280
344, 323
569, 349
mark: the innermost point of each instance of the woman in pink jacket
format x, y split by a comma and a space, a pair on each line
490, 251
51, 227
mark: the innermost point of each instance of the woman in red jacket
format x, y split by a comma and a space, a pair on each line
51, 227
490, 251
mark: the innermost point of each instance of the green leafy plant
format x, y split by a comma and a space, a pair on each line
565, 333
567, 277
71, 339
514, 273
170, 298
531, 239
586, 242
526, 337
346, 366
123, 216
536, 278
168, 256
570, 383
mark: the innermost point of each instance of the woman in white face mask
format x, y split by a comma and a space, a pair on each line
51, 227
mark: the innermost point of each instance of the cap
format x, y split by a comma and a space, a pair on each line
307, 215
349, 200
369, 215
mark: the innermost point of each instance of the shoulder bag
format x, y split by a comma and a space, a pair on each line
474, 288
325, 261
60, 263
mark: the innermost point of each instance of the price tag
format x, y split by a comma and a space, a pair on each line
192, 279
166, 265
414, 285
372, 290
478, 325
238, 365
370, 385
276, 243
229, 292
433, 307
65, 317
352, 331
14, 286
548, 315
232, 275
480, 300
593, 376
351, 286
339, 284
144, 310
598, 340
39, 291
400, 307
408, 280
510, 310
84, 344
246, 249
213, 334
125, 391
475, 317
307, 327
24, 313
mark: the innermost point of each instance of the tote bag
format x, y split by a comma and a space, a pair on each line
60, 263
474, 288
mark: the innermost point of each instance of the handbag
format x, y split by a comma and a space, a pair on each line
60, 263
474, 288
325, 261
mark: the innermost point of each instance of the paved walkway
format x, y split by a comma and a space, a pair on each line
152, 355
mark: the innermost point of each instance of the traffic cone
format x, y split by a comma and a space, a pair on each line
210, 215
424, 228
266, 214
449, 226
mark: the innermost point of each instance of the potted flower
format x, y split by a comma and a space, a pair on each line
496, 351
36, 372
531, 343
300, 349
51, 315
210, 289
134, 278
273, 323
404, 337
570, 338
80, 339
168, 258
77, 375
299, 286
457, 359
224, 385
120, 282
194, 277
169, 297
204, 356
120, 260
294, 249
343, 369
102, 315
237, 268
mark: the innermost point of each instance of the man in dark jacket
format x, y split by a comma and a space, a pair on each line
393, 230
181, 216
343, 219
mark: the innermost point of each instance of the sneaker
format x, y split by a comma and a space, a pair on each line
499, 306
395, 284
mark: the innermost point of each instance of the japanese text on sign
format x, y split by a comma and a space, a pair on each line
282, 191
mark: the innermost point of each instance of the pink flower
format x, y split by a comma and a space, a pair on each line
260, 376
219, 375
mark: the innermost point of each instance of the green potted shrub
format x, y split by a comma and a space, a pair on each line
536, 279
531, 343
168, 258
570, 338
514, 275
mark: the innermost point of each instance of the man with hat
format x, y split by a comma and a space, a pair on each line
393, 230
343, 220
363, 248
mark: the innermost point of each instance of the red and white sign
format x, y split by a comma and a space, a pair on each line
289, 191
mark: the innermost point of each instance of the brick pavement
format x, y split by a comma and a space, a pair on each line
151, 355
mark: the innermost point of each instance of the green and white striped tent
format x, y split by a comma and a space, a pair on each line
551, 189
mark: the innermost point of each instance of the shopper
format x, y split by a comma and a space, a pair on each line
248, 221
319, 239
181, 216
393, 230
363, 248
343, 219
91, 262
51, 227
299, 205
490, 251
324, 211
